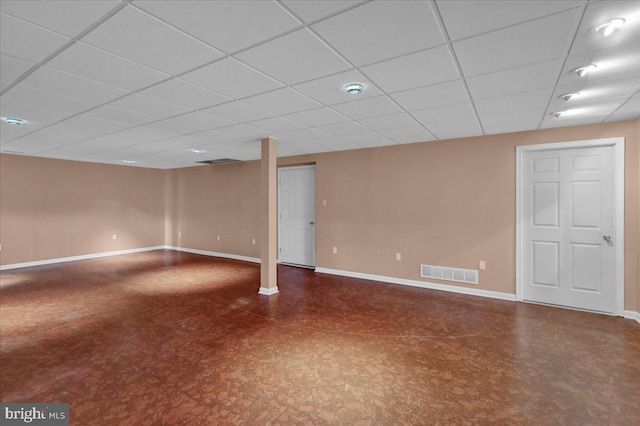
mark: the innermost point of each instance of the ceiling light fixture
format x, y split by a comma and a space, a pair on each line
608, 28
354, 88
13, 120
582, 71
557, 114
198, 151
568, 96
129, 161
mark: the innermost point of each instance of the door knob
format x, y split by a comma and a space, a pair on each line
312, 223
607, 238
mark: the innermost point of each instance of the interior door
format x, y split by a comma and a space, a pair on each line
297, 215
568, 224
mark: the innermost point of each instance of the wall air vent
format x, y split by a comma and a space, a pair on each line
218, 161
468, 276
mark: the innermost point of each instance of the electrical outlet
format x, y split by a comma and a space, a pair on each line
482, 265
398, 256
253, 241
180, 234
218, 238
335, 250
0, 247
324, 203
114, 236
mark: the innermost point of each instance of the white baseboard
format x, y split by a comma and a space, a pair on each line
632, 315
214, 253
421, 284
74, 258
268, 291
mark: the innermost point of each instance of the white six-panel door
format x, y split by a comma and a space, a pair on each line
297, 215
568, 228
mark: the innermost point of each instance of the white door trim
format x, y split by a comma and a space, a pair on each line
280, 169
618, 214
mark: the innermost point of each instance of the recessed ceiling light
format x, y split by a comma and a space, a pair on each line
608, 28
13, 120
129, 161
582, 71
198, 151
568, 96
354, 88
557, 114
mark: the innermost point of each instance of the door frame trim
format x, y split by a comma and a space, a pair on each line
618, 207
315, 177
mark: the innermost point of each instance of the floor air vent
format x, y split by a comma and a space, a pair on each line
468, 276
218, 161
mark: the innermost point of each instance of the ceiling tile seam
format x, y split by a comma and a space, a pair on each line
454, 58
577, 23
324, 18
622, 105
65, 46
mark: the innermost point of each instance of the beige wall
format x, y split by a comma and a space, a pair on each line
54, 208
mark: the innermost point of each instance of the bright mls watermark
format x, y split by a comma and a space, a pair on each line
41, 414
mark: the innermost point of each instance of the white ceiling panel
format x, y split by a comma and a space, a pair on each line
510, 103
612, 62
467, 18
516, 46
515, 80
63, 83
313, 10
231, 78
119, 116
156, 44
301, 135
368, 140
579, 109
456, 128
513, 121
550, 122
598, 13
633, 104
228, 25
594, 90
276, 124
624, 115
408, 134
52, 137
145, 105
241, 131
334, 144
294, 58
330, 90
69, 17
238, 111
11, 68
317, 117
96, 123
389, 122
199, 121
341, 129
21, 94
89, 62
444, 113
451, 92
283, 101
419, 69
367, 108
185, 94
39, 116
381, 30
27, 41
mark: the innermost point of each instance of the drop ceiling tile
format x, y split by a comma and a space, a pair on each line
467, 18
341, 129
301, 135
551, 122
238, 111
578, 109
211, 136
456, 129
185, 94
313, 10
516, 46
513, 121
27, 41
294, 58
35, 117
624, 115
633, 104
11, 68
145, 105
66, 17
317, 117
451, 92
598, 89
95, 123
444, 113
241, 131
597, 13
515, 80
10, 132
613, 62
520, 102
368, 140
60, 82
381, 30
226, 25
231, 78
52, 137
89, 62
142, 134
288, 149
194, 121
408, 134
282, 101
24, 95
389, 122
276, 125
334, 144
419, 69
367, 108
330, 90
156, 44
119, 116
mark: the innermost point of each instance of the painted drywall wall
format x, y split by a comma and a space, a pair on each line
51, 209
